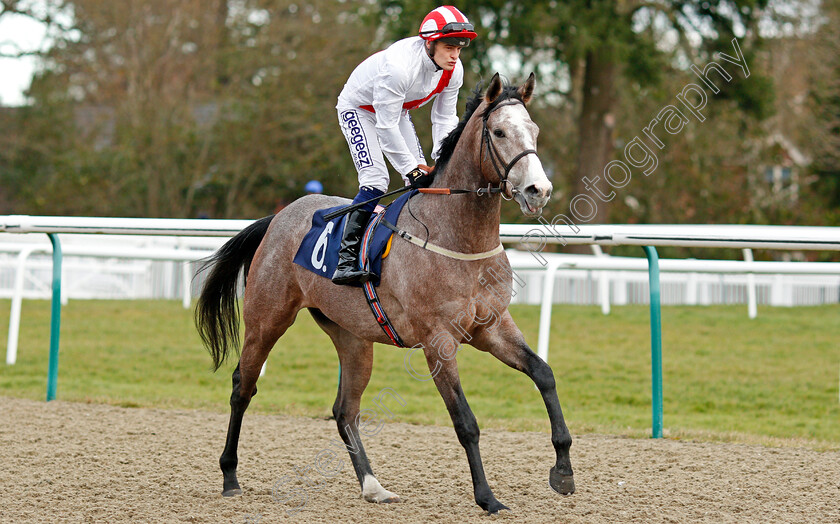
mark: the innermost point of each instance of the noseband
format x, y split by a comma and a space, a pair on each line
496, 159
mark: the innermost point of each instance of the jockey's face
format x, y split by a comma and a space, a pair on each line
446, 55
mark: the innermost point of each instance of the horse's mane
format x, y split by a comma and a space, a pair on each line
447, 146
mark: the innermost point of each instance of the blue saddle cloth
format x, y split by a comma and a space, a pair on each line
318, 252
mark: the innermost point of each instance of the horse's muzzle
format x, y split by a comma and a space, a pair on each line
533, 198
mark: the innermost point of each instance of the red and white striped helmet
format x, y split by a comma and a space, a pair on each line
447, 23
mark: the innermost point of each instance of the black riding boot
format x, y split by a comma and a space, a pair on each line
347, 271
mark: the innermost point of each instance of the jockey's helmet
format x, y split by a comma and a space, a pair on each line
448, 25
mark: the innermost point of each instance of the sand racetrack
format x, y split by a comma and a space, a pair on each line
68, 462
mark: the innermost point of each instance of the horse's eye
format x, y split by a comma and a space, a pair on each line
499, 133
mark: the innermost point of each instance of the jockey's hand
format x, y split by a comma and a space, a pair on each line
420, 176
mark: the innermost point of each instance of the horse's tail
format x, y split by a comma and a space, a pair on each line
217, 311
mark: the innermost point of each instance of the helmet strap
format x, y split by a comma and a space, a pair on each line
430, 50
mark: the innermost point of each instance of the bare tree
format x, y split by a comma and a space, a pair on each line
181, 107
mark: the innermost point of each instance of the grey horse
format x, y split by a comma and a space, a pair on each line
435, 302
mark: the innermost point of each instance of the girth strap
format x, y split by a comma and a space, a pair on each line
380, 316
370, 290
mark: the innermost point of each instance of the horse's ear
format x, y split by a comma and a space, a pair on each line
494, 89
527, 89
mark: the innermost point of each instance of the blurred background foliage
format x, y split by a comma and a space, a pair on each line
225, 108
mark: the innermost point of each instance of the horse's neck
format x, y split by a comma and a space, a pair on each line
466, 223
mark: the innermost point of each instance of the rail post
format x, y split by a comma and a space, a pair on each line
17, 300
55, 318
655, 340
545, 309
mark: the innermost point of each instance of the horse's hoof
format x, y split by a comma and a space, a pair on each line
496, 507
390, 498
372, 491
231, 492
562, 484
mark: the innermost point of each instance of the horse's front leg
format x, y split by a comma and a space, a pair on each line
466, 428
505, 342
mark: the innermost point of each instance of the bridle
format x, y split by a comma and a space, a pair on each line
496, 159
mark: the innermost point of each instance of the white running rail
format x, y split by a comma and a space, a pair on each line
533, 237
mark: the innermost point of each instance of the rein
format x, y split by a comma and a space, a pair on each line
495, 159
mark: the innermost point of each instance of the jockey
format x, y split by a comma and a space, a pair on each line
373, 113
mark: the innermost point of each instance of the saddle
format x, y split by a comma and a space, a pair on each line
318, 251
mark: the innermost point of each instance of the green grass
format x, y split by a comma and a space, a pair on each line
773, 379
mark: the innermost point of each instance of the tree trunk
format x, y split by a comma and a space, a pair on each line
595, 135
222, 72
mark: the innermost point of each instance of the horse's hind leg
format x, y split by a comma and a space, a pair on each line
508, 345
356, 358
228, 461
260, 335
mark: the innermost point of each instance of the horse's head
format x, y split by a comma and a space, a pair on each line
508, 146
